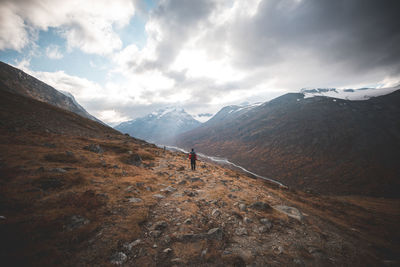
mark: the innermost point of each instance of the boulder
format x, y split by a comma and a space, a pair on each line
215, 233
134, 160
94, 148
289, 211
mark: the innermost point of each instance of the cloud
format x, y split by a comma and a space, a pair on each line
53, 52
112, 117
13, 32
204, 54
219, 52
86, 25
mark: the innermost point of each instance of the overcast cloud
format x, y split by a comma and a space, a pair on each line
205, 54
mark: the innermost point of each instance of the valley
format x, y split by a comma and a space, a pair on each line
80, 193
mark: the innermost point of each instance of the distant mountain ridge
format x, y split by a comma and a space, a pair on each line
17, 81
324, 144
160, 126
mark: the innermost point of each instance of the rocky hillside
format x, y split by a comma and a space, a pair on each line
17, 81
322, 144
161, 126
79, 193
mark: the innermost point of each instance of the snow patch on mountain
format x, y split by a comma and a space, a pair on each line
348, 94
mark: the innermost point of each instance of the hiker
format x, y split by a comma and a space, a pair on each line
193, 158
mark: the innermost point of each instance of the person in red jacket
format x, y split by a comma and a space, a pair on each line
193, 158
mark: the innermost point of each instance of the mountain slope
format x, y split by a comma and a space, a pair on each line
319, 143
76, 194
17, 81
161, 126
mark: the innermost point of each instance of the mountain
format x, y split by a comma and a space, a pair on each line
323, 144
230, 113
160, 126
17, 81
74, 192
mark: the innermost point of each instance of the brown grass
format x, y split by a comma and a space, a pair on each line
61, 157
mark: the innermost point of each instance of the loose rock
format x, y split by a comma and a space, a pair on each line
241, 231
161, 225
134, 159
168, 189
247, 220
94, 148
134, 200
242, 207
76, 221
118, 258
58, 170
167, 250
155, 233
266, 223
215, 213
158, 196
129, 246
261, 206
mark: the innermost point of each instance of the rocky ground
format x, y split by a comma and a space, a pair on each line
114, 200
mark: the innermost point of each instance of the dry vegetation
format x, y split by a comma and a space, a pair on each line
66, 205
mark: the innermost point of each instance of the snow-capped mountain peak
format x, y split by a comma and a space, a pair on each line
160, 126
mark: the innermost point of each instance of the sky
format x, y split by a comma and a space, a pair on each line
123, 59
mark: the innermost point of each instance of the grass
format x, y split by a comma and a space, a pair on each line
61, 157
